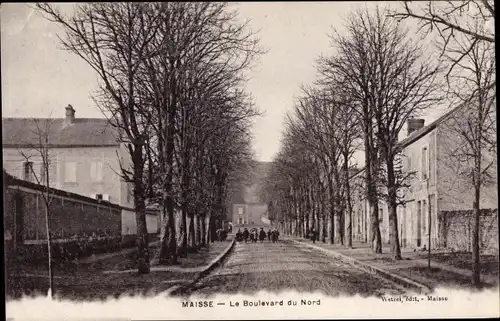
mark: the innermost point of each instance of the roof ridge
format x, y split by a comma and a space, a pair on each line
83, 132
55, 118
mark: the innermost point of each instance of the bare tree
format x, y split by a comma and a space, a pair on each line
202, 53
315, 127
379, 66
38, 149
466, 36
452, 20
348, 140
111, 38
350, 66
472, 143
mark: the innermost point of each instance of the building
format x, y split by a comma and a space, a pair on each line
247, 206
249, 213
83, 155
439, 198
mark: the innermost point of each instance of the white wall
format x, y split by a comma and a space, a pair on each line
83, 157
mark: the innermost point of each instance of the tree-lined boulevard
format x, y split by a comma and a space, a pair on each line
172, 80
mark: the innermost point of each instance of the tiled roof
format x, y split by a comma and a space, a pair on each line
416, 135
17, 132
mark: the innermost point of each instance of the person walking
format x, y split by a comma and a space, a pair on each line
246, 234
262, 235
313, 235
239, 236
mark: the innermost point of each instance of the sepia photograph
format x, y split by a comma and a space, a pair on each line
249, 160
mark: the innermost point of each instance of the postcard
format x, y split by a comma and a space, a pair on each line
249, 160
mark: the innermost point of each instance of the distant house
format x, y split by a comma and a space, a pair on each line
247, 207
84, 154
437, 189
249, 213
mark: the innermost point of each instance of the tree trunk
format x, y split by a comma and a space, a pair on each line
183, 245
208, 222
370, 161
314, 211
192, 245
323, 225
140, 214
212, 227
338, 224
168, 251
376, 237
338, 212
203, 230
372, 200
181, 233
329, 228
197, 233
182, 249
348, 201
393, 214
476, 267
338, 227
49, 246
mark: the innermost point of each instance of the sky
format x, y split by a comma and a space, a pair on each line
39, 79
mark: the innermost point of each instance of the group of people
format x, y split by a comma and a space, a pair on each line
254, 235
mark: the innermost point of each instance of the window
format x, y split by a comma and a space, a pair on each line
70, 172
96, 171
424, 165
98, 197
28, 171
380, 213
409, 163
240, 210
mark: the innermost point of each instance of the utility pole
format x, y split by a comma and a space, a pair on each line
429, 206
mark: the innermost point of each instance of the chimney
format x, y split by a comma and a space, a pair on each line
415, 124
70, 115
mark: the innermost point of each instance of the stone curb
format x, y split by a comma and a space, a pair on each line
403, 281
176, 289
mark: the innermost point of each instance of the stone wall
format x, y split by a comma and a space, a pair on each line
78, 224
456, 227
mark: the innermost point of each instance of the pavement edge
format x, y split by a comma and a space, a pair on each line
212, 265
403, 281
